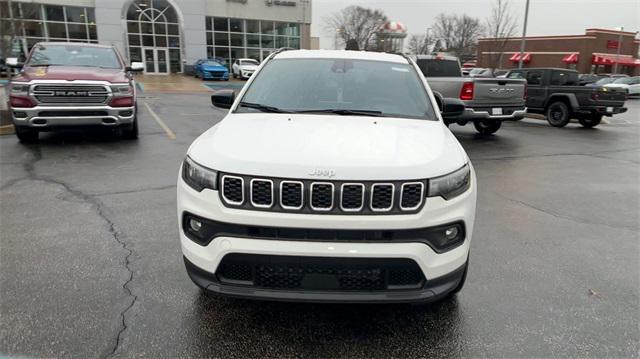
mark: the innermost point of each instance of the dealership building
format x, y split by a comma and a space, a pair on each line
597, 51
166, 35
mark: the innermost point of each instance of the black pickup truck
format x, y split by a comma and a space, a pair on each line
557, 94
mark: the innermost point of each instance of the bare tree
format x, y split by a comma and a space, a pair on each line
459, 33
356, 23
419, 44
500, 26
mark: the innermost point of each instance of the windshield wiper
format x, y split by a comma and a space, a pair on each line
345, 112
263, 108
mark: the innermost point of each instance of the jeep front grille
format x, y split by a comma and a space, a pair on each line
70, 94
331, 197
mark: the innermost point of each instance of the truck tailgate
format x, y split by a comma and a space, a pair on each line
609, 96
498, 91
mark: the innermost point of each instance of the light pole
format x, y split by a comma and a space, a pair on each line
426, 41
615, 65
524, 34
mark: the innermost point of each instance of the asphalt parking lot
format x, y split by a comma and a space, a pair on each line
90, 262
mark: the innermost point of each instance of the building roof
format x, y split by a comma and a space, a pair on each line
341, 54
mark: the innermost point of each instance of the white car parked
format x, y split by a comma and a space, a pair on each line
632, 84
244, 68
333, 178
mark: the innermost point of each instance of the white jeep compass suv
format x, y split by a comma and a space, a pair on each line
333, 179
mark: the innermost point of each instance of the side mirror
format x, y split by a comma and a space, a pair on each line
451, 109
223, 98
13, 62
136, 67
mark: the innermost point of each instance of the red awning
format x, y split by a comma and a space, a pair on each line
604, 59
526, 57
571, 59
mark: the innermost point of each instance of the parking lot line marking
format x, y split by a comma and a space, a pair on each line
164, 126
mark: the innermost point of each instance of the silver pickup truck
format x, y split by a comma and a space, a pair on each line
489, 101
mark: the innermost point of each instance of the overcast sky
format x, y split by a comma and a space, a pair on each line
546, 17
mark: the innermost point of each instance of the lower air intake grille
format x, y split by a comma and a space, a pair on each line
319, 273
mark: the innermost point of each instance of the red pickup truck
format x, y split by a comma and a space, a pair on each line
77, 85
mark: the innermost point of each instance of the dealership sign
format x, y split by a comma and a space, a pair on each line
612, 44
280, 3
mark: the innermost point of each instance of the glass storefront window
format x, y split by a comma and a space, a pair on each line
254, 38
160, 28
173, 30
32, 28
93, 32
57, 30
146, 28
220, 24
133, 27
147, 40
236, 40
236, 25
31, 12
77, 31
253, 26
267, 41
75, 14
134, 40
266, 27
221, 39
54, 12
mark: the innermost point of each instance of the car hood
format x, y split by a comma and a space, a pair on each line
214, 68
351, 147
71, 73
249, 67
624, 86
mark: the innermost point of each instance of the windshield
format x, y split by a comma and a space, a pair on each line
212, 63
604, 81
249, 62
74, 55
477, 71
339, 86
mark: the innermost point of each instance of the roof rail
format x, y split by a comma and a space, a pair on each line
273, 54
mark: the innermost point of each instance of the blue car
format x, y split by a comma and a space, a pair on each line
210, 70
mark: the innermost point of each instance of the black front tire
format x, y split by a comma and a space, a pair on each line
131, 133
558, 114
590, 121
26, 134
487, 127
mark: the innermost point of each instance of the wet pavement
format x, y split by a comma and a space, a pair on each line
90, 262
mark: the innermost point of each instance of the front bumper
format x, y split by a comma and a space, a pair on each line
433, 290
46, 117
215, 76
434, 266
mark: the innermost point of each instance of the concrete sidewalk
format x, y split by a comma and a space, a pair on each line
182, 83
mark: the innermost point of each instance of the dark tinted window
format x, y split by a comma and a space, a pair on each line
516, 75
564, 78
534, 78
439, 68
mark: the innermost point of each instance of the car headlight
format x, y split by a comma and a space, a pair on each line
198, 177
19, 89
451, 185
122, 90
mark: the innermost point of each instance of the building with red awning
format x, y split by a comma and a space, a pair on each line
594, 52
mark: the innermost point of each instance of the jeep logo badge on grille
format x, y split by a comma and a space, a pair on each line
317, 172
71, 93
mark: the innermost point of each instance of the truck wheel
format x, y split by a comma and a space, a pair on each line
558, 114
590, 121
26, 134
487, 127
131, 133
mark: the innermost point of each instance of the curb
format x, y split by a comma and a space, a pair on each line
7, 130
